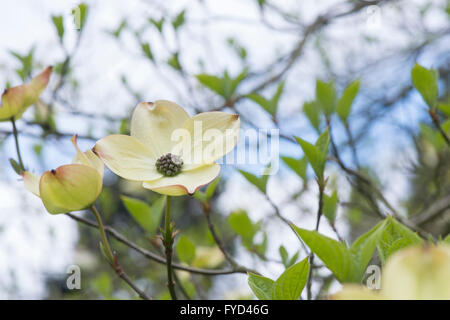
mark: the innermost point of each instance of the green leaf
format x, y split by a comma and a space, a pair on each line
37, 148
432, 136
205, 196
213, 83
426, 82
326, 97
312, 113
316, 154
292, 260
179, 20
284, 255
58, 22
259, 182
261, 286
174, 61
363, 248
27, 63
116, 33
276, 97
334, 254
446, 240
345, 102
290, 284
16, 167
330, 206
79, 15
236, 81
185, 250
263, 102
157, 23
314, 157
445, 108
242, 225
323, 143
211, 188
225, 86
395, 236
298, 166
148, 217
147, 51
271, 105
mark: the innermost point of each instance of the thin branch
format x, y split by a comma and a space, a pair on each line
16, 140
434, 118
112, 257
152, 256
206, 207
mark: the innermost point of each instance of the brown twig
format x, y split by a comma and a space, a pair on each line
112, 257
155, 257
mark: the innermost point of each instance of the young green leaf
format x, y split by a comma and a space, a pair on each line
185, 249
323, 143
346, 100
432, 136
147, 51
316, 154
363, 248
263, 102
79, 15
16, 167
395, 236
213, 83
230, 85
116, 33
243, 226
284, 255
334, 254
326, 97
179, 20
426, 82
271, 105
311, 111
290, 284
58, 22
276, 97
446, 240
259, 182
292, 260
445, 108
157, 23
225, 86
298, 166
211, 188
330, 206
174, 61
261, 286
148, 217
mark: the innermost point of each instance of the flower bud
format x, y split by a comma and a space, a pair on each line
16, 100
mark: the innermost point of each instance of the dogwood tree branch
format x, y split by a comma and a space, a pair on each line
155, 257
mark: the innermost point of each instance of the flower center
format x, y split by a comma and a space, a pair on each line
169, 165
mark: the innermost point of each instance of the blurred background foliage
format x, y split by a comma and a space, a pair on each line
291, 60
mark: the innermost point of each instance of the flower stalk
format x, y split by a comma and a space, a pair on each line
16, 141
167, 240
